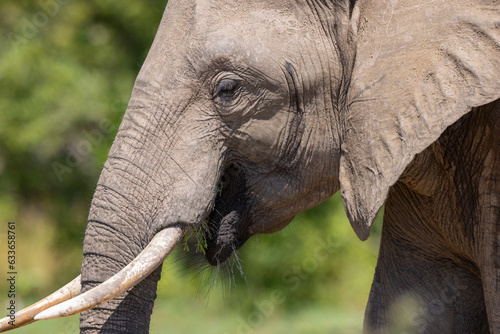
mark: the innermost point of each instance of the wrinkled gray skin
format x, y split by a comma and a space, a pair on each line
290, 101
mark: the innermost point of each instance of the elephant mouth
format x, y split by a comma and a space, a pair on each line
227, 223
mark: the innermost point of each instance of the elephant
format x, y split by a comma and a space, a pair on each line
246, 113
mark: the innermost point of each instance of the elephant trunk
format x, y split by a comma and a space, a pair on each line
150, 183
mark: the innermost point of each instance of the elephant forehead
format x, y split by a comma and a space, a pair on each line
226, 11
249, 31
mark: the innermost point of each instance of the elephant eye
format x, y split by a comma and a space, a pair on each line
226, 89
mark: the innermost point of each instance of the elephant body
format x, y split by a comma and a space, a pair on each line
440, 235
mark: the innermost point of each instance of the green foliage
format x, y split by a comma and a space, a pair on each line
197, 232
66, 72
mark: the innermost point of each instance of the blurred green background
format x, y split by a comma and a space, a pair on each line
66, 72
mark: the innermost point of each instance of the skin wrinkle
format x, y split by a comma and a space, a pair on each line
138, 184
137, 175
463, 70
292, 110
482, 34
117, 161
172, 139
332, 46
173, 116
297, 103
140, 296
493, 215
129, 247
138, 151
122, 216
126, 130
330, 26
122, 236
327, 80
130, 139
100, 257
117, 195
149, 208
465, 183
328, 99
321, 89
138, 127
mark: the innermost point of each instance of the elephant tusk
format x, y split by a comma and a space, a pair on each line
26, 316
144, 264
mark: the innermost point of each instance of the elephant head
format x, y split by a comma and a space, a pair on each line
245, 114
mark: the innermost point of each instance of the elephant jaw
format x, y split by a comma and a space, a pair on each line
67, 301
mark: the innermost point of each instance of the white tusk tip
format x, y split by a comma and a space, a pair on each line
44, 315
53, 312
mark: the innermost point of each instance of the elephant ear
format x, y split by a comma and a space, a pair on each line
419, 66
